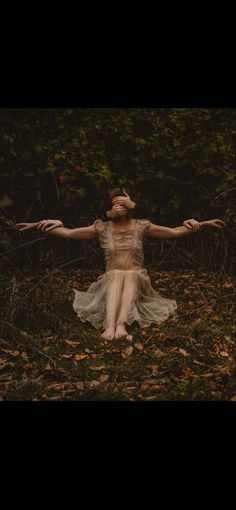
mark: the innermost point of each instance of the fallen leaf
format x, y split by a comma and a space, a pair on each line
227, 285
182, 351
79, 357
224, 354
233, 398
12, 353
24, 333
158, 352
48, 366
98, 367
103, 378
144, 386
56, 387
154, 371
79, 385
139, 346
188, 373
24, 355
197, 321
127, 352
6, 364
227, 338
71, 342
129, 338
93, 384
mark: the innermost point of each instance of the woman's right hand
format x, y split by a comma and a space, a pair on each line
47, 225
116, 211
23, 226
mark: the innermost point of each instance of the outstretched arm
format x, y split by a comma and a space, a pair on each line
167, 232
55, 227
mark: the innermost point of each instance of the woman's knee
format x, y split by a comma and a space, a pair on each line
130, 274
117, 272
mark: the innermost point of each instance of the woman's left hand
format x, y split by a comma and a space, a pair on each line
192, 224
216, 223
124, 201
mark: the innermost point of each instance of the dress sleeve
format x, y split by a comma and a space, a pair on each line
143, 226
99, 226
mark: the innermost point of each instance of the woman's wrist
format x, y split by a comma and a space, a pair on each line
203, 224
132, 205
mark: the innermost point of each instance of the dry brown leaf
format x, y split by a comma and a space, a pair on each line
79, 357
24, 355
158, 352
56, 387
154, 371
7, 364
98, 367
79, 385
224, 354
93, 384
227, 338
139, 346
129, 338
24, 333
197, 321
103, 378
188, 373
3, 361
72, 342
127, 352
144, 386
48, 366
12, 353
65, 355
233, 398
182, 351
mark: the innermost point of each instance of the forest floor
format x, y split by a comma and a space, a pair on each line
46, 353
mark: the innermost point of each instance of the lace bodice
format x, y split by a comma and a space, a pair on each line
123, 249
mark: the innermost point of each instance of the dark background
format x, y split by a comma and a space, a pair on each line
176, 163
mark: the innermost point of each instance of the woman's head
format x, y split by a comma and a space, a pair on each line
118, 192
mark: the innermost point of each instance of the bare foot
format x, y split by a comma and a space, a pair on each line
109, 333
120, 331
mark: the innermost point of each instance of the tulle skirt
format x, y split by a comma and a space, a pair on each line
149, 306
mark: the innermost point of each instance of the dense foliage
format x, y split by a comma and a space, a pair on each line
176, 164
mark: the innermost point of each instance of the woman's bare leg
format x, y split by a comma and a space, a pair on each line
128, 298
113, 298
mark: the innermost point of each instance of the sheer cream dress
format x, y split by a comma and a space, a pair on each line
124, 292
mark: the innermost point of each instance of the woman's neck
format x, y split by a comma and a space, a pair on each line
121, 219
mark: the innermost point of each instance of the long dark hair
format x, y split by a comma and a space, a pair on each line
117, 192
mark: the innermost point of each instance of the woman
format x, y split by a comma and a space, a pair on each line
123, 293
